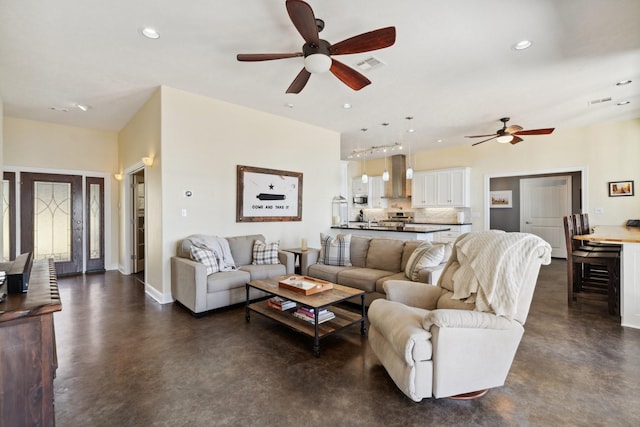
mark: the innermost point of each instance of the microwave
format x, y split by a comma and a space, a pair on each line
360, 200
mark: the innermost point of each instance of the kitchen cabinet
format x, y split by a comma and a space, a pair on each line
358, 187
376, 192
441, 188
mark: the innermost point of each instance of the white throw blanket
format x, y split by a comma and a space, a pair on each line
492, 266
219, 246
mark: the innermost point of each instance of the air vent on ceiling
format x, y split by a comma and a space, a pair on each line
599, 101
369, 63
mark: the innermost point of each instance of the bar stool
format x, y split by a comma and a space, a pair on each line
591, 274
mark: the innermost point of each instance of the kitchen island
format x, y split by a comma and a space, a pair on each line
629, 239
405, 232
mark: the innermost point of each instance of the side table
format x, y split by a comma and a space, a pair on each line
300, 258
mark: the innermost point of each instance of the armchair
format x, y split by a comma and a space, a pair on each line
459, 337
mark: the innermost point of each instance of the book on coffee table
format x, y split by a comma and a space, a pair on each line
305, 285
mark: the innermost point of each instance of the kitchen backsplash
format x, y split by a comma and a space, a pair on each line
421, 215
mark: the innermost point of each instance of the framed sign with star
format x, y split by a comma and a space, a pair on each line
268, 195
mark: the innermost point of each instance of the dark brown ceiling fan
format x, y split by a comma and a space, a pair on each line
511, 133
318, 52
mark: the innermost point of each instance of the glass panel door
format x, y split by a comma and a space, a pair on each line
52, 219
9, 215
95, 224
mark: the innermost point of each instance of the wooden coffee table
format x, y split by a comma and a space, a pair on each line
329, 298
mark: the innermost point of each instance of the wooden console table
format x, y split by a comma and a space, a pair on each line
28, 359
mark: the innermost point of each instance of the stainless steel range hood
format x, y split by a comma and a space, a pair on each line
397, 186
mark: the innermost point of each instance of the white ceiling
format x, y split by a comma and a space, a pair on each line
452, 67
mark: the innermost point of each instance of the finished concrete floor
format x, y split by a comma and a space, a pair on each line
125, 360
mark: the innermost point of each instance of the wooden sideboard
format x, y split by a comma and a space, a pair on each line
28, 359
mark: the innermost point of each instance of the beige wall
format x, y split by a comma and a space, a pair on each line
203, 140
608, 152
141, 137
45, 147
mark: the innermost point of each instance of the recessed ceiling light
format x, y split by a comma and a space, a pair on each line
623, 82
61, 109
623, 103
82, 107
289, 105
346, 106
150, 33
440, 140
522, 45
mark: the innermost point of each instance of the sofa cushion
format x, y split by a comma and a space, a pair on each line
206, 257
385, 254
426, 255
446, 301
266, 271
359, 248
226, 280
242, 248
326, 272
362, 278
265, 253
335, 251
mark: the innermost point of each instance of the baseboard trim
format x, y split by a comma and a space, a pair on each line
158, 296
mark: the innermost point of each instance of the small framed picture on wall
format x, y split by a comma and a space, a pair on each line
500, 199
621, 188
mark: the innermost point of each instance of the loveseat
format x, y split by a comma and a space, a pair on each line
200, 292
373, 261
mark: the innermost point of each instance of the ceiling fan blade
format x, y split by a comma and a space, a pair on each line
303, 19
481, 136
493, 137
348, 75
365, 42
516, 139
299, 82
545, 131
252, 57
513, 128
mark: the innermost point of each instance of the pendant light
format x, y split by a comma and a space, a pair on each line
385, 174
365, 177
409, 168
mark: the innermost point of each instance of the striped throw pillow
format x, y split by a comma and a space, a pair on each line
425, 255
206, 257
335, 251
264, 253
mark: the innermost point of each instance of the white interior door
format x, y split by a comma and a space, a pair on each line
543, 203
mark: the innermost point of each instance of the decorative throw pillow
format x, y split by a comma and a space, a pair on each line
335, 251
206, 257
448, 249
423, 256
264, 253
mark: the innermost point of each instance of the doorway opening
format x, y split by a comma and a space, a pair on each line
138, 222
527, 188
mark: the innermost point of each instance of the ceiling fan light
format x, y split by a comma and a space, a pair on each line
503, 139
317, 63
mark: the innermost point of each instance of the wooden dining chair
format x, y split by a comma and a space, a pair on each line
592, 275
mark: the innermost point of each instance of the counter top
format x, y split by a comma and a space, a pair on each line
612, 233
401, 229
421, 223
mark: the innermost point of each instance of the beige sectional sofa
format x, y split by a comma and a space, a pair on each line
374, 261
199, 292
